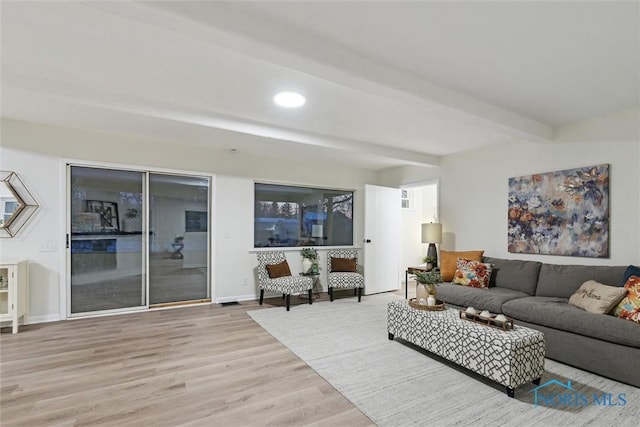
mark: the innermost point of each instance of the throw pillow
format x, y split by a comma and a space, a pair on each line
343, 265
629, 307
472, 273
449, 261
278, 270
632, 270
597, 298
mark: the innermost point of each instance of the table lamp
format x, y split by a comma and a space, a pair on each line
432, 234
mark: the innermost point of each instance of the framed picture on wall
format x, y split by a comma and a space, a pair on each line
195, 221
107, 213
564, 212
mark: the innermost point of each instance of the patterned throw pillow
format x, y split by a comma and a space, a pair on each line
448, 261
278, 270
472, 273
629, 307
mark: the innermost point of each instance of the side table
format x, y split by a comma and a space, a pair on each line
412, 271
316, 281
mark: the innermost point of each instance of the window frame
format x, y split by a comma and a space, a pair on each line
300, 210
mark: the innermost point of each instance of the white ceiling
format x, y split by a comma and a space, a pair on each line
387, 83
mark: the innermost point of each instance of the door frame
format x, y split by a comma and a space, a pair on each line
436, 212
64, 260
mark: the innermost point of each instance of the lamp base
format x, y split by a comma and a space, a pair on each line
432, 251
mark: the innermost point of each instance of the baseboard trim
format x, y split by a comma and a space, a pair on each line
236, 298
42, 319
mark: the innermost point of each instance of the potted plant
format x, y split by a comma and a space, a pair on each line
430, 261
427, 282
309, 260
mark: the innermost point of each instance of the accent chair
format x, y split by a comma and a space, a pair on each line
342, 271
280, 280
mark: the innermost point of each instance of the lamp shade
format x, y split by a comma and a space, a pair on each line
432, 233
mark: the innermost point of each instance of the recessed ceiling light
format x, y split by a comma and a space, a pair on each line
289, 99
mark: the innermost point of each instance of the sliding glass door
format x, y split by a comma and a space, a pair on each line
179, 250
106, 240
136, 239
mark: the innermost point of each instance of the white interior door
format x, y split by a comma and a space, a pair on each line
381, 239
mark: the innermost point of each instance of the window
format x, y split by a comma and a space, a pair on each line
288, 216
406, 198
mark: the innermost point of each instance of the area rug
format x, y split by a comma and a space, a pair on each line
395, 385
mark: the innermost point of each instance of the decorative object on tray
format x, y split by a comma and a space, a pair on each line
437, 306
426, 286
486, 318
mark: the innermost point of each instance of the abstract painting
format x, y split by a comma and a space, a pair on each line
560, 213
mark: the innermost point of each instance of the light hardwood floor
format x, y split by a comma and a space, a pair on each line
205, 365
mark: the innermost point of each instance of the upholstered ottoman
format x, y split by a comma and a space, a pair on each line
510, 358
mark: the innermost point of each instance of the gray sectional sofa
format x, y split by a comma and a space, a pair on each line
536, 295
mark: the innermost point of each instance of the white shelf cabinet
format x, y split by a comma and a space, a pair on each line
13, 293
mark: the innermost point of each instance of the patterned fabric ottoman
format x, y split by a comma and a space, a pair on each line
510, 358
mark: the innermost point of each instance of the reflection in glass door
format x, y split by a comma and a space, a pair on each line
179, 238
106, 239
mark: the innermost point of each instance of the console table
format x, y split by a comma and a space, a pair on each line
412, 270
510, 358
14, 293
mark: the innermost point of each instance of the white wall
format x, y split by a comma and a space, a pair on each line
41, 176
473, 188
37, 153
473, 193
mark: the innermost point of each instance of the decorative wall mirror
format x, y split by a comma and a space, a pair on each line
17, 204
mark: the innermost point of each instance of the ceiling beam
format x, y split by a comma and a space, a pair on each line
253, 36
189, 116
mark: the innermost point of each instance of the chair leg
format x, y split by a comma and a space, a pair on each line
288, 301
359, 294
330, 294
310, 296
261, 295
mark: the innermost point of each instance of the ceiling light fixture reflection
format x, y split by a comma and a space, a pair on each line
289, 99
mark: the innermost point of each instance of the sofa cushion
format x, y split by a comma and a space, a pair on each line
555, 313
514, 274
563, 280
449, 261
597, 298
485, 299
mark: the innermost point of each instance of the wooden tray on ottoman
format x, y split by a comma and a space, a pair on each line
413, 302
507, 325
